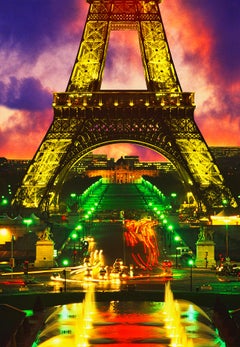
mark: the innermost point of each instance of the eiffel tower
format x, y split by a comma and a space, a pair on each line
86, 117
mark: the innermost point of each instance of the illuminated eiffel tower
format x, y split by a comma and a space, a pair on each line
86, 117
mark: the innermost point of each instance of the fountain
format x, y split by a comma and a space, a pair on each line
172, 317
174, 323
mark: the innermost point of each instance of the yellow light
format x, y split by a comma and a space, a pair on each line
84, 102
3, 232
5, 235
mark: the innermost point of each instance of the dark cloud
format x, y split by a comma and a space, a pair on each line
31, 25
26, 94
222, 19
29, 28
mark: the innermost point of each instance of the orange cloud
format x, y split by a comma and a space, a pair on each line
23, 132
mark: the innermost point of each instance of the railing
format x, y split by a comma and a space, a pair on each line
133, 98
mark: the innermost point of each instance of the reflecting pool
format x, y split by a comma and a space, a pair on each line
175, 323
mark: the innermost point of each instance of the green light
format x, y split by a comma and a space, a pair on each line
74, 236
65, 262
73, 195
190, 262
173, 195
79, 227
177, 238
64, 313
28, 313
27, 221
170, 227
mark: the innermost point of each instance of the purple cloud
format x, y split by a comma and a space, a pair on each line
39, 41
221, 19
26, 94
31, 26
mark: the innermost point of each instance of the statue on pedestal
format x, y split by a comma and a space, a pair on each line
46, 235
205, 234
45, 249
205, 248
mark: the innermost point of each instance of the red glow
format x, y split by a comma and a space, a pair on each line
141, 237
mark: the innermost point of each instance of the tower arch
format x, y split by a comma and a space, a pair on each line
86, 117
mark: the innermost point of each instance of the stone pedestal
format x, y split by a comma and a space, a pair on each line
205, 254
44, 253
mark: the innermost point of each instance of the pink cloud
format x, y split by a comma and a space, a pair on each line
124, 68
193, 38
22, 133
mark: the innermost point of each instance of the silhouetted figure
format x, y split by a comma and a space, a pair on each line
226, 325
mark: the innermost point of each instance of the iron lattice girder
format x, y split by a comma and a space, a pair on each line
142, 16
41, 171
160, 118
161, 121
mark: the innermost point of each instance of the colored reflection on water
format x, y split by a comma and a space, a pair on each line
120, 324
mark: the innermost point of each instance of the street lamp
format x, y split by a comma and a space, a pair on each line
27, 222
227, 237
177, 238
164, 223
190, 262
74, 236
170, 228
65, 263
79, 228
12, 260
174, 201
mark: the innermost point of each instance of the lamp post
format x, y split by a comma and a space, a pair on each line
27, 222
65, 263
227, 238
164, 223
79, 227
206, 258
124, 245
191, 274
12, 260
74, 236
173, 201
170, 231
177, 238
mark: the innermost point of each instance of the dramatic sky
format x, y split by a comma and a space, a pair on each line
39, 40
